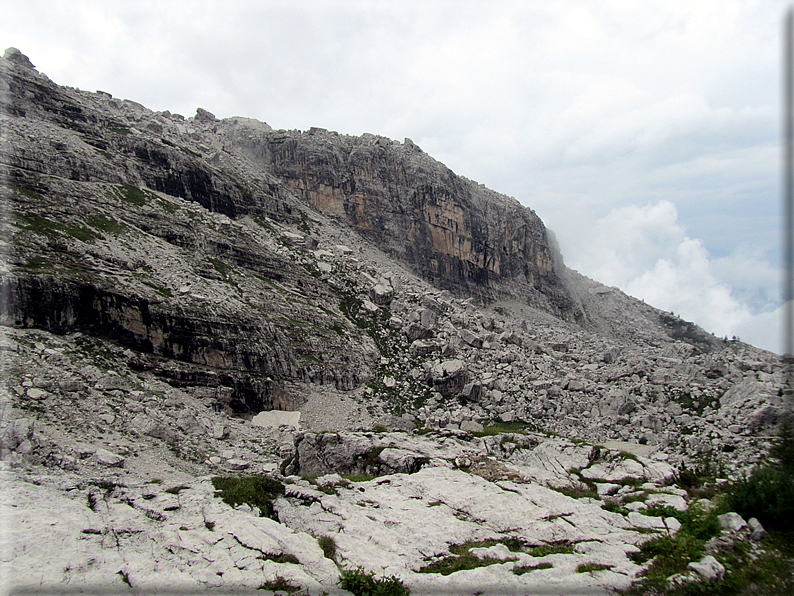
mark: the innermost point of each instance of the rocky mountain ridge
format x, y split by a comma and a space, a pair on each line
166, 280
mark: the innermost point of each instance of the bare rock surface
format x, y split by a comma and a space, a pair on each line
167, 280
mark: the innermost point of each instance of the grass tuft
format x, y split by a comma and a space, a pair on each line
328, 546
592, 567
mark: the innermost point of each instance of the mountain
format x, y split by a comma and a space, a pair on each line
169, 282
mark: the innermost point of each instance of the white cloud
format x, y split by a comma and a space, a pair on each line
646, 252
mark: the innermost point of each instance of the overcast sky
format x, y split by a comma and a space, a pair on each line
645, 134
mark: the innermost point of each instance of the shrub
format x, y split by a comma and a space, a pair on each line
579, 491
768, 493
279, 585
255, 491
328, 546
362, 583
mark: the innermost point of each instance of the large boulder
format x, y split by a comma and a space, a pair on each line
449, 377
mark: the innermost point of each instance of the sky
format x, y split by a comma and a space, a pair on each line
645, 134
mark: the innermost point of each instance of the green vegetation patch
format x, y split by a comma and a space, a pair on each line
522, 569
591, 567
26, 192
640, 497
328, 546
106, 224
168, 206
768, 493
580, 490
38, 262
554, 548
461, 562
462, 558
223, 268
614, 506
363, 583
281, 558
133, 195
119, 130
255, 491
38, 224
279, 585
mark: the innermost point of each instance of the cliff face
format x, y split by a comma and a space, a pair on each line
453, 232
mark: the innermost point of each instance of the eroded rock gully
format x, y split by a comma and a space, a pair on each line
165, 278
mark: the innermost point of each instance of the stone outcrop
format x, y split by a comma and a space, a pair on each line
453, 232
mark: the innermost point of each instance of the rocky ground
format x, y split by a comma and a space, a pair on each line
162, 288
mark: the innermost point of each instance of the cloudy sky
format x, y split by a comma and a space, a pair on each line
644, 133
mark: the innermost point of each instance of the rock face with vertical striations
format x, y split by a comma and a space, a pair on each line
453, 232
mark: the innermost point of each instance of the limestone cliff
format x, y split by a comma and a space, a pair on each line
453, 232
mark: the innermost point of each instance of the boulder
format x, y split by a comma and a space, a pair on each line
37, 394
203, 115
475, 341
471, 426
449, 377
237, 464
16, 433
381, 294
428, 318
422, 347
111, 382
756, 529
732, 522
669, 524
401, 460
108, 459
708, 568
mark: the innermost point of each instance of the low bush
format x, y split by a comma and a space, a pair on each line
255, 491
768, 493
363, 583
614, 506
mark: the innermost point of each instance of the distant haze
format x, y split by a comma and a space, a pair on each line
645, 134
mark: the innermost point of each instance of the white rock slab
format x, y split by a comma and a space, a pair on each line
276, 418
